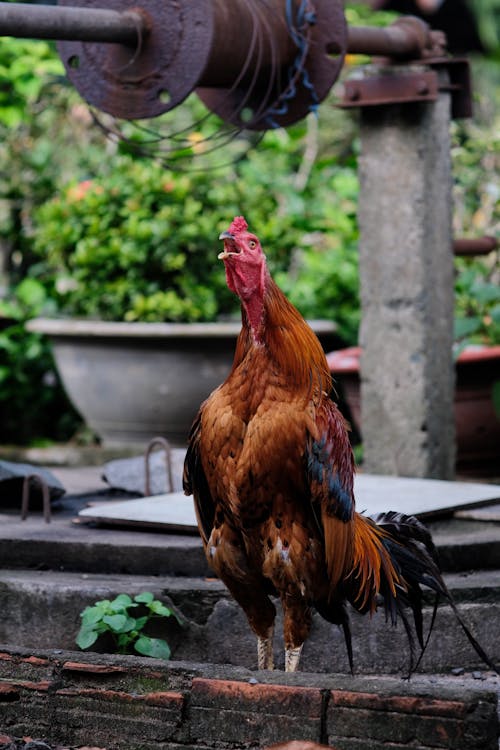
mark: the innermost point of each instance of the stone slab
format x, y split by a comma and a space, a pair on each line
426, 498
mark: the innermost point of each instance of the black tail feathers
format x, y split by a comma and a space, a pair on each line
410, 546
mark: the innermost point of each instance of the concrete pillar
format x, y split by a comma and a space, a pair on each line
406, 271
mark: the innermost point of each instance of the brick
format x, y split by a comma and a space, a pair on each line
36, 661
411, 720
118, 715
238, 712
28, 668
42, 686
93, 669
396, 728
167, 698
399, 703
257, 697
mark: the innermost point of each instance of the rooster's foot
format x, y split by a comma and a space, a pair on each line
292, 658
265, 658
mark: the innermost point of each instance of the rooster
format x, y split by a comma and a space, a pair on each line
271, 470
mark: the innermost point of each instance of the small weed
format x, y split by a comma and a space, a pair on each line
116, 619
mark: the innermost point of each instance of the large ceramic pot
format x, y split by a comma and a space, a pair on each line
134, 381
476, 420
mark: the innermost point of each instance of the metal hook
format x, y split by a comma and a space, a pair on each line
26, 495
168, 463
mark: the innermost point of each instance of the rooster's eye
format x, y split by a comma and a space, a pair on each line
252, 244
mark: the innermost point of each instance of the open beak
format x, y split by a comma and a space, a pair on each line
229, 239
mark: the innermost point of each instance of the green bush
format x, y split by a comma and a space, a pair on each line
477, 302
141, 244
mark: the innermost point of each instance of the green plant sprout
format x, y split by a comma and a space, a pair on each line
114, 618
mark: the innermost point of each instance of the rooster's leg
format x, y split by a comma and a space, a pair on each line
292, 658
265, 658
296, 628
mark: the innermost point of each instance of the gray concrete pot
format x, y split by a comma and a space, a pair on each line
134, 381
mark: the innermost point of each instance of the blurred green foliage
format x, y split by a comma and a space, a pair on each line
141, 244
476, 210
24, 70
32, 402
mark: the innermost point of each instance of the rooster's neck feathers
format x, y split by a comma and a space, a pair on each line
271, 321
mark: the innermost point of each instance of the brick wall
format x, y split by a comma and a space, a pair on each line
138, 704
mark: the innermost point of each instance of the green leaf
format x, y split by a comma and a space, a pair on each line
144, 598
116, 623
157, 648
466, 326
159, 609
92, 615
86, 638
120, 603
141, 621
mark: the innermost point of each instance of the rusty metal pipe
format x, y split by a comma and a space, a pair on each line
407, 38
72, 23
477, 246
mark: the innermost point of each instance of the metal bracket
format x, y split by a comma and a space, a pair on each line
406, 87
460, 85
392, 88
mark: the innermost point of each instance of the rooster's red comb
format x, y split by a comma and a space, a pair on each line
237, 225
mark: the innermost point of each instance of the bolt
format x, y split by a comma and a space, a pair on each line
353, 93
422, 88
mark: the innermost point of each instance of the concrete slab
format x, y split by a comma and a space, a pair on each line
490, 513
426, 498
173, 511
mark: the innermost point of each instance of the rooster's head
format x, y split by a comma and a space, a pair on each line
244, 260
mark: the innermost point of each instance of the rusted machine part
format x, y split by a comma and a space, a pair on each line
238, 54
164, 444
276, 95
152, 76
390, 89
405, 84
477, 246
26, 495
27, 21
408, 38
256, 64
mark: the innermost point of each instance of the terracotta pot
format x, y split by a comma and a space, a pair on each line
134, 381
477, 424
